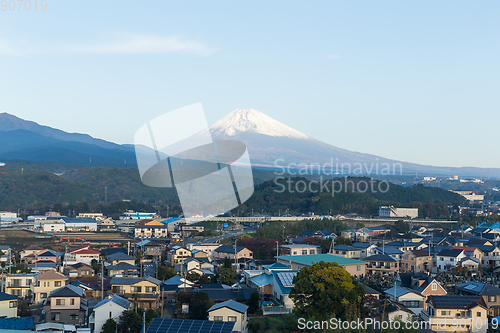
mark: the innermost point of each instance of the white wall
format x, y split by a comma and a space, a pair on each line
6, 310
102, 314
241, 318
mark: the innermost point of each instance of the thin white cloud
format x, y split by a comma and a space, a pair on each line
332, 56
124, 44
6, 48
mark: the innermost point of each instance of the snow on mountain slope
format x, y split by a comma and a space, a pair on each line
251, 120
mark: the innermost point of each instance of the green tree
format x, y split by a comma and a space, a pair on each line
109, 326
253, 303
322, 291
227, 276
193, 277
150, 315
199, 305
227, 263
166, 272
129, 322
135, 297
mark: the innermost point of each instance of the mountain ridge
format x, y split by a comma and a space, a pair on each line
271, 145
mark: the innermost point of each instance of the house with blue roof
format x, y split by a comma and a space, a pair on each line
230, 311
8, 305
112, 306
17, 323
282, 285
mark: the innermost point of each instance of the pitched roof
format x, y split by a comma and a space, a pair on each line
450, 253
120, 256
362, 245
50, 275
229, 249
310, 259
389, 250
133, 280
67, 291
7, 297
456, 301
17, 323
233, 305
380, 257
115, 299
420, 253
371, 291
122, 265
478, 288
347, 248
86, 251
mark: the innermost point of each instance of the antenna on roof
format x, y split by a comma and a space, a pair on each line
332, 246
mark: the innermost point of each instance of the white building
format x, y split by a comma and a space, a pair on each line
300, 249
230, 311
390, 211
448, 259
110, 307
79, 224
83, 254
54, 227
208, 248
471, 196
8, 217
8, 305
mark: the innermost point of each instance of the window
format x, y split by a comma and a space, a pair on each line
73, 316
231, 318
400, 317
217, 318
150, 289
135, 289
72, 301
445, 313
56, 317
60, 301
12, 304
434, 286
492, 298
28, 282
57, 284
43, 295
478, 314
358, 268
304, 252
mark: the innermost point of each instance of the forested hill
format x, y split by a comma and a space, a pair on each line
35, 187
301, 195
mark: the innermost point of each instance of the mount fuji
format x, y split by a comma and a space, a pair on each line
272, 143
269, 143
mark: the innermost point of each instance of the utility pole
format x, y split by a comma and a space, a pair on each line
102, 279
235, 256
276, 250
144, 322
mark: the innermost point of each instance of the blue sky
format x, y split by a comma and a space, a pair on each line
413, 81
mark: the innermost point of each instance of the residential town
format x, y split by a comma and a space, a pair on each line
76, 285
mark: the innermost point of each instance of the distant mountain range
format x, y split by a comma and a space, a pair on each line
267, 140
26, 140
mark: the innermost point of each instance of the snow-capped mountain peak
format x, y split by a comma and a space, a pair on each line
251, 120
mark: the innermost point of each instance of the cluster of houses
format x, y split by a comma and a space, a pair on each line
64, 284
424, 249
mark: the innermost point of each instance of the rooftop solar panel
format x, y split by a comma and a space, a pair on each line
286, 278
167, 325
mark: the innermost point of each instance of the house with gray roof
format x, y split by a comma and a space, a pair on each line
112, 306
